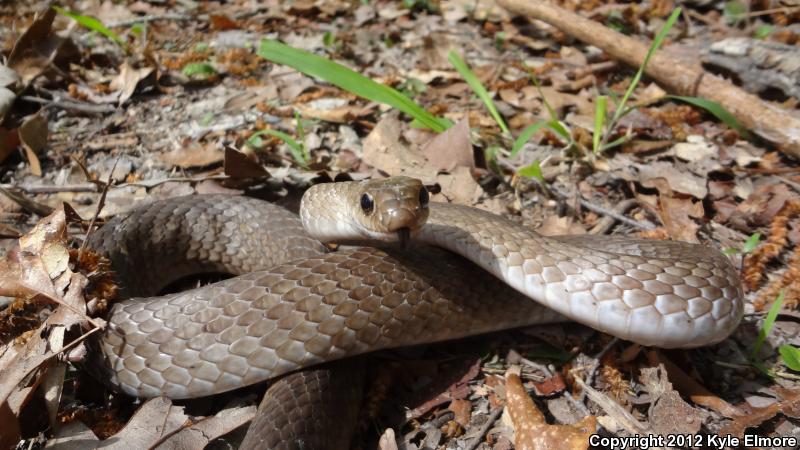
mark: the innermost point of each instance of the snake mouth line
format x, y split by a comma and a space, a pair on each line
404, 236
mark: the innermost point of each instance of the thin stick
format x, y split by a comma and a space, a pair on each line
152, 18
485, 428
606, 212
71, 105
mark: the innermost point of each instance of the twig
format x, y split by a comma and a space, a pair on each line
485, 429
71, 105
606, 212
152, 18
793, 184
100, 205
607, 222
676, 76
595, 364
51, 189
91, 187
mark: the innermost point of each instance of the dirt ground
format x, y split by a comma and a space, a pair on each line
153, 99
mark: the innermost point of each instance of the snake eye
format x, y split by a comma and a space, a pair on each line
424, 197
366, 203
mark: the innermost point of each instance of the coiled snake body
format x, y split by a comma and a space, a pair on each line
296, 305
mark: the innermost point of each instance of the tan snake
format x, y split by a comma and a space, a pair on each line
296, 305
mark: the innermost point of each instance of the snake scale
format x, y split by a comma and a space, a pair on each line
295, 305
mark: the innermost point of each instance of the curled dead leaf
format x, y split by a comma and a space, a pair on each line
531, 428
33, 136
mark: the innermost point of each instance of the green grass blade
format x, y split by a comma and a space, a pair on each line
751, 243
716, 110
599, 122
618, 141
653, 47
199, 70
533, 170
297, 149
559, 128
341, 76
790, 356
92, 24
475, 84
768, 323
525, 136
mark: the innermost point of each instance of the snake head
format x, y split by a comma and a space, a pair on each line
388, 210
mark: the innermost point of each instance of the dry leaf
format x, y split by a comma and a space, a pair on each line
462, 409
238, 165
559, 226
154, 420
127, 80
73, 436
36, 48
687, 385
788, 405
194, 155
384, 150
669, 414
531, 429
33, 137
451, 149
334, 110
201, 433
387, 440
9, 140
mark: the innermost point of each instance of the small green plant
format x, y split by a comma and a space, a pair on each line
199, 71
790, 355
734, 12
606, 127
477, 87
339, 75
749, 245
769, 321
92, 24
297, 146
716, 110
763, 31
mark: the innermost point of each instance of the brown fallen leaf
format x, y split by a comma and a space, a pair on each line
127, 80
462, 409
789, 405
451, 385
387, 440
36, 48
238, 165
669, 414
558, 226
150, 424
33, 137
9, 140
677, 212
222, 22
344, 113
532, 430
451, 149
11, 431
384, 150
194, 155
73, 436
202, 432
692, 389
